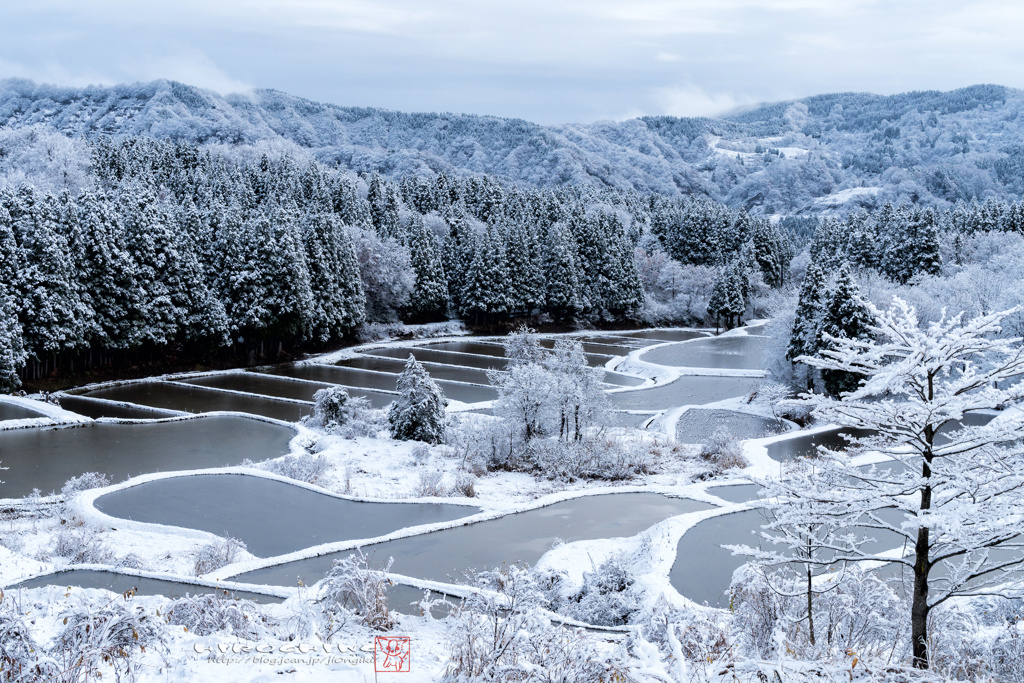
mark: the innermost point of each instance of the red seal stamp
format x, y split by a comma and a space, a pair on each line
391, 654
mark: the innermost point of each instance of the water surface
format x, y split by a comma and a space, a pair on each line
447, 555
122, 583
13, 411
97, 408
47, 458
684, 391
733, 353
201, 400
271, 517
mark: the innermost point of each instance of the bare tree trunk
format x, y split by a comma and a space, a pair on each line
922, 566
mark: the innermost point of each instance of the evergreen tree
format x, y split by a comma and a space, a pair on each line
338, 303
429, 299
803, 341
846, 316
562, 292
12, 344
419, 412
485, 293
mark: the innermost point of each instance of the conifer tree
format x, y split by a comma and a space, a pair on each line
803, 341
485, 293
429, 299
844, 315
12, 344
419, 412
562, 292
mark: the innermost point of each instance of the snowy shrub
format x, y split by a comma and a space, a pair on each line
352, 588
757, 609
81, 543
607, 597
96, 639
216, 613
418, 414
430, 485
465, 485
304, 467
129, 561
338, 413
499, 634
19, 653
217, 554
722, 452
89, 480
979, 639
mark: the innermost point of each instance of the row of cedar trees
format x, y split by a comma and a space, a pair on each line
179, 253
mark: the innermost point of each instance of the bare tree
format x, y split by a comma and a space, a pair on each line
948, 504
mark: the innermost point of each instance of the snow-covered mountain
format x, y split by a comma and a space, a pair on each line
822, 153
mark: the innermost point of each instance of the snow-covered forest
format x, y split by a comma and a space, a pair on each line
833, 151
742, 394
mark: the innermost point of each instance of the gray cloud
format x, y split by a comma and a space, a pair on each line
547, 61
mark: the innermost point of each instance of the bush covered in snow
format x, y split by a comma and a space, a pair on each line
350, 589
419, 412
217, 554
100, 637
304, 467
722, 452
607, 596
81, 543
499, 634
88, 480
217, 613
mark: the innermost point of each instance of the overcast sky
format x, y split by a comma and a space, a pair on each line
549, 61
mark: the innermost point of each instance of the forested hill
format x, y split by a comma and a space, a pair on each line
823, 153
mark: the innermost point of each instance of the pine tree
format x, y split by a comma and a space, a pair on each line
562, 292
846, 316
429, 300
803, 341
339, 303
485, 293
419, 412
12, 344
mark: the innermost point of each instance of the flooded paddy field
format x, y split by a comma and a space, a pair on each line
447, 555
192, 399
720, 353
687, 390
271, 517
45, 458
697, 425
122, 583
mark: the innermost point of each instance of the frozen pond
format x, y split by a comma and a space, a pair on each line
271, 517
736, 493
253, 383
427, 355
687, 390
807, 445
697, 425
478, 348
621, 380
47, 458
200, 400
732, 353
121, 583
703, 570
447, 555
13, 411
604, 350
634, 420
437, 371
97, 408
658, 336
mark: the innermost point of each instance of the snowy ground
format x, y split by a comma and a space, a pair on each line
364, 468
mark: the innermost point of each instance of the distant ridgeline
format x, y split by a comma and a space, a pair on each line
176, 252
832, 152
